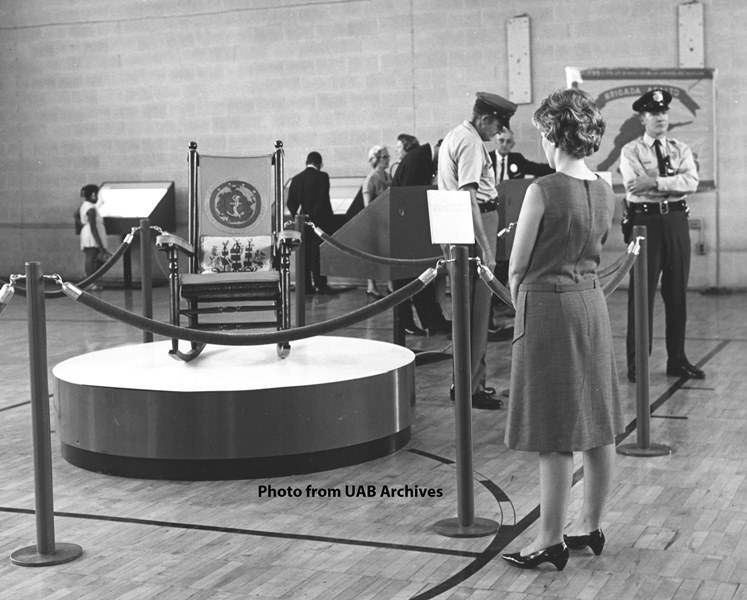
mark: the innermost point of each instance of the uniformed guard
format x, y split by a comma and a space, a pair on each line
658, 173
464, 164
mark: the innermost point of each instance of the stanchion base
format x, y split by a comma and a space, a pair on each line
31, 557
652, 450
452, 528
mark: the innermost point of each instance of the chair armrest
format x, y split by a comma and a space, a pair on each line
169, 241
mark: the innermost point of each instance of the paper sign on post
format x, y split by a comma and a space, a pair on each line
450, 217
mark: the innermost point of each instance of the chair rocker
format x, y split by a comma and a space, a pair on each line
238, 253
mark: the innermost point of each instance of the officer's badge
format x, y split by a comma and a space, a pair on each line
658, 96
236, 204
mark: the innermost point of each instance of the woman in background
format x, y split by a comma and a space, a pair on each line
564, 396
93, 233
376, 182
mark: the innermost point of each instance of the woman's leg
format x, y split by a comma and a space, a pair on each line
556, 476
90, 254
598, 470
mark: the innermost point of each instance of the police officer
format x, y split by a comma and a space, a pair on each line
464, 164
658, 173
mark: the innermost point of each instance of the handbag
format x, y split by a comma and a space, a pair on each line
102, 256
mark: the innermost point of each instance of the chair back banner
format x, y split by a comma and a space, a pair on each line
235, 217
235, 196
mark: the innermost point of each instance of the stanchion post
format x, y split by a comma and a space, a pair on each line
643, 445
46, 552
146, 275
301, 270
466, 524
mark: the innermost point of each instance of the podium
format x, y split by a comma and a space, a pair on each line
124, 204
394, 225
510, 197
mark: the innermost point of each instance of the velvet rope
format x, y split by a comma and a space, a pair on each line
249, 339
372, 257
619, 262
610, 277
610, 280
111, 261
501, 291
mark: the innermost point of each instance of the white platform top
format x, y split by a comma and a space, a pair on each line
312, 361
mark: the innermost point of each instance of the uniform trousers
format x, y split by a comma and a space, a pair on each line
668, 248
479, 313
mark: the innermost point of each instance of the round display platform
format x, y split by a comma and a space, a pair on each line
235, 412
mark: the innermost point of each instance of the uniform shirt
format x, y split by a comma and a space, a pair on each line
464, 159
639, 158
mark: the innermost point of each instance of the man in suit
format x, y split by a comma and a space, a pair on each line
309, 194
513, 165
509, 165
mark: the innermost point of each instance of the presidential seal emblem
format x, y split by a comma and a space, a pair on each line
235, 204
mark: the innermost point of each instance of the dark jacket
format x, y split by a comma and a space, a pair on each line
415, 168
309, 191
519, 167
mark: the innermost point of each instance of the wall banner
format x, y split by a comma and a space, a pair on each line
691, 113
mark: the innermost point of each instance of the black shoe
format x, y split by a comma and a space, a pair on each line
593, 540
484, 399
374, 294
326, 290
501, 334
684, 369
415, 330
557, 555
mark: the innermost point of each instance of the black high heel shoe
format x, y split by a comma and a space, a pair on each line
557, 555
594, 540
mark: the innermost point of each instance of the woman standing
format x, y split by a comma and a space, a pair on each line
376, 182
564, 395
93, 233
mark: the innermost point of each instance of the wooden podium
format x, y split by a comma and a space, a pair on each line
510, 197
394, 225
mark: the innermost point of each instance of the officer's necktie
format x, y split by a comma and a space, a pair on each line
503, 168
660, 158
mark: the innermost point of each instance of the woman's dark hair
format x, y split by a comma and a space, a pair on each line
409, 142
571, 120
88, 190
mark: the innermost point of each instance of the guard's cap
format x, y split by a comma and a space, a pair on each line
653, 101
496, 105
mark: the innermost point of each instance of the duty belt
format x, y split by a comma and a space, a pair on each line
488, 206
656, 208
559, 288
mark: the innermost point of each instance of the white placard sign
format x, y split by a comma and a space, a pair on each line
450, 217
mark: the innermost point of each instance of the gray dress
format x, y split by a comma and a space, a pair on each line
564, 394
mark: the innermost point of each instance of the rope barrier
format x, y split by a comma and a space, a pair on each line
372, 257
249, 339
102, 270
618, 263
610, 279
501, 291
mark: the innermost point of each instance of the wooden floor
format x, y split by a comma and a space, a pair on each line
676, 528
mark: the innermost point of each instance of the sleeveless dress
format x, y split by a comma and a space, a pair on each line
563, 395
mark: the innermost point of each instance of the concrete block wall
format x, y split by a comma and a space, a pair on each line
98, 90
